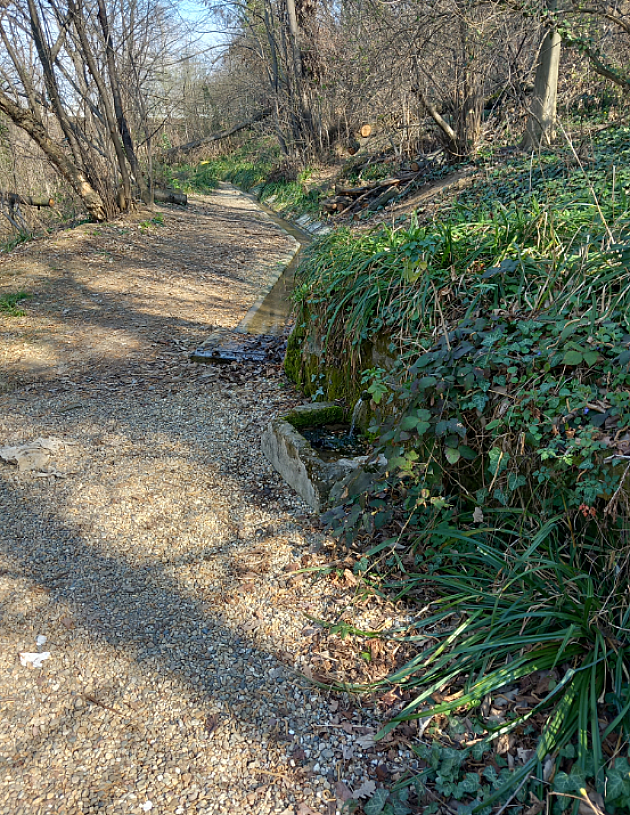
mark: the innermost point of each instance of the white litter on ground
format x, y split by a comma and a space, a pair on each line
33, 455
30, 660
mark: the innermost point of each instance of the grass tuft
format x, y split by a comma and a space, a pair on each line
8, 304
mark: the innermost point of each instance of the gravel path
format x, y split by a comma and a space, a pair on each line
156, 551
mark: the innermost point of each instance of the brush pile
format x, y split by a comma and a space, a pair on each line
373, 183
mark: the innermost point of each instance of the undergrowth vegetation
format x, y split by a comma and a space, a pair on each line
251, 167
505, 421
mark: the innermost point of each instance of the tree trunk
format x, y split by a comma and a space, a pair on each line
541, 124
76, 7
26, 121
437, 118
305, 125
121, 119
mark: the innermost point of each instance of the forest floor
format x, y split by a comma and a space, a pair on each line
150, 555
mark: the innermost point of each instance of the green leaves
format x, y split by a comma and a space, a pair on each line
418, 421
376, 803
576, 355
568, 786
452, 455
8, 304
618, 783
511, 391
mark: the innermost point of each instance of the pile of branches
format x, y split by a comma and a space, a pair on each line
351, 198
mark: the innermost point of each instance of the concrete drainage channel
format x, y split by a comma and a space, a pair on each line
319, 480
267, 319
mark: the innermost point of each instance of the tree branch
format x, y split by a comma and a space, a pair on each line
223, 134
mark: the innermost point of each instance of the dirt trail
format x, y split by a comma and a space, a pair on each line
105, 295
156, 551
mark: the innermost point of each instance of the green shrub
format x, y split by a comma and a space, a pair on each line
503, 513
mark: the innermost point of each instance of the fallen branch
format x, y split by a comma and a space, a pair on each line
13, 199
369, 186
383, 199
354, 203
170, 197
223, 134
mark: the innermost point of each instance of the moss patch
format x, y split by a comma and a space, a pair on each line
314, 415
293, 356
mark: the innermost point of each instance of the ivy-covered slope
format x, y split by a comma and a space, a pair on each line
510, 316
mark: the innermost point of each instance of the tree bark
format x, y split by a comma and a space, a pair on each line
77, 9
121, 119
541, 124
26, 200
437, 118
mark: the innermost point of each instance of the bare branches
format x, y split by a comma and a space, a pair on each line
224, 134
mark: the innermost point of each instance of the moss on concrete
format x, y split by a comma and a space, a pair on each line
293, 356
335, 377
314, 415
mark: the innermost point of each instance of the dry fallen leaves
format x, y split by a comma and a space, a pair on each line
343, 792
366, 741
366, 789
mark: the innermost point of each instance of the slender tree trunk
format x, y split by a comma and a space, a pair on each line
299, 83
77, 9
541, 124
121, 119
50, 82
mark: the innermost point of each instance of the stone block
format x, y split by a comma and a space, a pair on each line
295, 459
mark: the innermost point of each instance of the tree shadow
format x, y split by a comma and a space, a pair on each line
99, 605
128, 620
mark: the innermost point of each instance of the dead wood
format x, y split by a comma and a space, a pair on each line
170, 197
370, 186
355, 202
337, 203
173, 152
383, 199
13, 198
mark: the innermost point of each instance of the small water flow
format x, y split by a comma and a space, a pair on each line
335, 441
271, 313
355, 415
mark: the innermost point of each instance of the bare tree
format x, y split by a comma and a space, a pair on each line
66, 79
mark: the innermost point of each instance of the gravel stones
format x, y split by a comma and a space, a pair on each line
156, 558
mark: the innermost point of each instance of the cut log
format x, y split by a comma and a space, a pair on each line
173, 152
420, 163
369, 185
337, 203
352, 192
383, 199
170, 197
26, 200
366, 131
